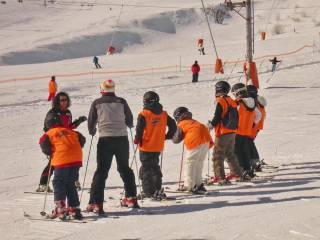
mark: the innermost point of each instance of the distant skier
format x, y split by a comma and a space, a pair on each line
195, 71
58, 115
63, 145
150, 137
274, 62
201, 47
96, 62
113, 116
52, 88
197, 140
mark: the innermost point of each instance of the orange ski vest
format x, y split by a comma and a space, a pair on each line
65, 147
52, 87
154, 134
195, 133
224, 102
246, 120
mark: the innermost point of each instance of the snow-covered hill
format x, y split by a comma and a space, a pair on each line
61, 40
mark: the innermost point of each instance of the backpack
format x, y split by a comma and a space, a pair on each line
231, 118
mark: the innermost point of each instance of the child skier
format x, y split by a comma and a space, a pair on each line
63, 145
249, 115
150, 137
225, 123
261, 103
197, 140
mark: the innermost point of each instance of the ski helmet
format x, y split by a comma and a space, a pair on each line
239, 89
181, 113
150, 97
107, 86
222, 87
252, 91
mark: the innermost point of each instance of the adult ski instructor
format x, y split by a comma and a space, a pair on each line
113, 116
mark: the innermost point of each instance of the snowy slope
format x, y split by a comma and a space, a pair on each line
283, 205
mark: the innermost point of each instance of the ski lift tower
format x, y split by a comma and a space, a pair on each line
236, 7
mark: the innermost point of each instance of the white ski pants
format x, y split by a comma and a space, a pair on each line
193, 165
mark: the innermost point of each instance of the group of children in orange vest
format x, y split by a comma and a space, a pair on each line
236, 124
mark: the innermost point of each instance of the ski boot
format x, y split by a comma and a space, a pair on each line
96, 208
224, 182
245, 177
233, 177
159, 195
75, 213
129, 202
199, 189
43, 188
60, 211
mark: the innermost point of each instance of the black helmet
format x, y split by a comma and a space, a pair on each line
181, 113
150, 97
252, 91
222, 87
239, 90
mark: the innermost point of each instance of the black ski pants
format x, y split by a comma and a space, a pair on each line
150, 172
242, 151
195, 77
64, 187
107, 148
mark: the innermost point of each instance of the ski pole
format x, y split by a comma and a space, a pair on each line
161, 160
85, 173
43, 212
181, 185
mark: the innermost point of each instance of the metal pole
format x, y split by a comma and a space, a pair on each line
43, 212
249, 31
85, 173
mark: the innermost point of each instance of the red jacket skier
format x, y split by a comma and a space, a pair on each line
195, 71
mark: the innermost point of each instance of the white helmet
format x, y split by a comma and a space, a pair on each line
107, 86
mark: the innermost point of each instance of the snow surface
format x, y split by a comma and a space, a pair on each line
282, 204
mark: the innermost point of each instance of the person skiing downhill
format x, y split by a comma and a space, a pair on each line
63, 145
113, 116
249, 116
150, 137
60, 115
197, 140
195, 71
274, 62
96, 62
225, 124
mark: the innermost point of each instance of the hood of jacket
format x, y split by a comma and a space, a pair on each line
154, 107
249, 103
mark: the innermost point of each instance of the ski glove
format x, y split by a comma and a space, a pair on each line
93, 132
78, 121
